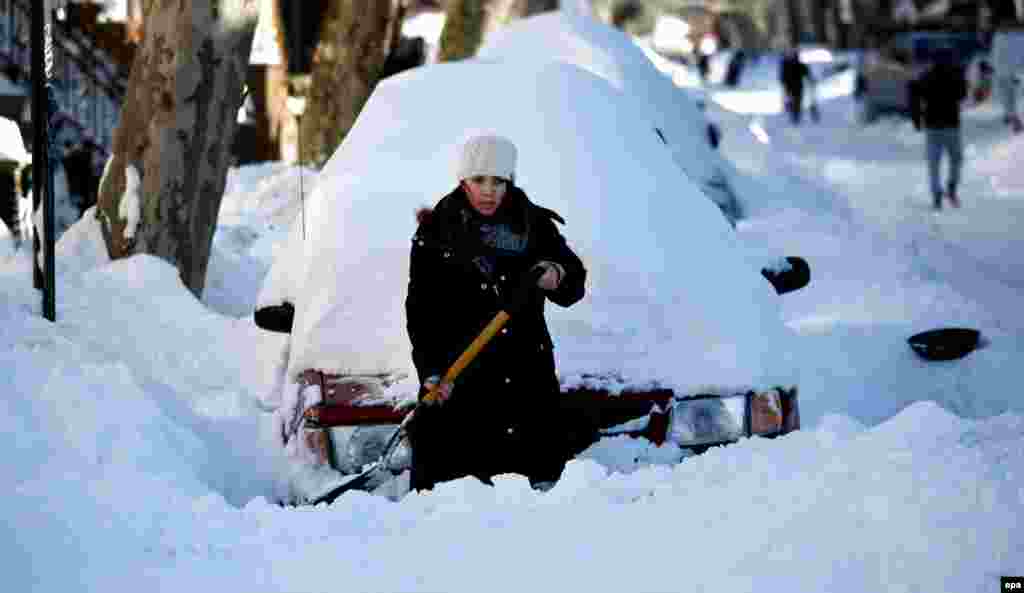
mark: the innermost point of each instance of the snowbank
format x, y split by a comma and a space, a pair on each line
12, 145
260, 220
1003, 168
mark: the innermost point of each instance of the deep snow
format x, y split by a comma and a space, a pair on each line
140, 454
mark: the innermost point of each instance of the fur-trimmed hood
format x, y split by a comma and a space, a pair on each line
449, 208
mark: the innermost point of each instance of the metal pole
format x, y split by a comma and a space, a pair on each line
49, 205
42, 172
39, 155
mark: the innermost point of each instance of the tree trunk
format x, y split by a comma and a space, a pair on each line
793, 14
817, 9
348, 59
177, 124
395, 26
883, 10
463, 30
468, 21
858, 29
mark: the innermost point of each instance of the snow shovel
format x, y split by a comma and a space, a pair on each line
379, 469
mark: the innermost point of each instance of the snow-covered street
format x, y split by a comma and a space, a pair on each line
860, 169
886, 260
141, 454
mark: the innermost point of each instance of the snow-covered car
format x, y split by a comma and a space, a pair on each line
675, 309
614, 56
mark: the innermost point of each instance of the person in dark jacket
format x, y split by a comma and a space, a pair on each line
935, 98
792, 73
468, 253
1008, 58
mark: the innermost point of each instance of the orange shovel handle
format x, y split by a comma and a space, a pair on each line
468, 354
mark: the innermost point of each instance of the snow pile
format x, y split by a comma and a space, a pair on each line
265, 194
672, 297
130, 205
81, 247
12, 145
261, 207
123, 473
1003, 168
428, 26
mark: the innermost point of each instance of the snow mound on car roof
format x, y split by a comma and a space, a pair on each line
612, 55
605, 52
671, 296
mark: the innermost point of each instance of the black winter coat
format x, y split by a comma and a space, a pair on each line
500, 415
935, 97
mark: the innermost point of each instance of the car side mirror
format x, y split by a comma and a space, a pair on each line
276, 318
788, 275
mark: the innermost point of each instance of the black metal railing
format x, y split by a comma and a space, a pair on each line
88, 85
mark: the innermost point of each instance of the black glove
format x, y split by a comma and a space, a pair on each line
444, 390
551, 277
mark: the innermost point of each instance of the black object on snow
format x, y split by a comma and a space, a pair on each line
714, 135
948, 343
795, 277
276, 318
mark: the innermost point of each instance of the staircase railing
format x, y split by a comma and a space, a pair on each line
88, 85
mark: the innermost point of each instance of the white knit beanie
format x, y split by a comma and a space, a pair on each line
487, 155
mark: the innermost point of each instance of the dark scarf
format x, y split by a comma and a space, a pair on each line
506, 234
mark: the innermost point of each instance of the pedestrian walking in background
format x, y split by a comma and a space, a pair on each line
812, 107
935, 99
792, 73
1008, 61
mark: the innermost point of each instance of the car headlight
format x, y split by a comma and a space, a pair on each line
713, 420
707, 420
356, 446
